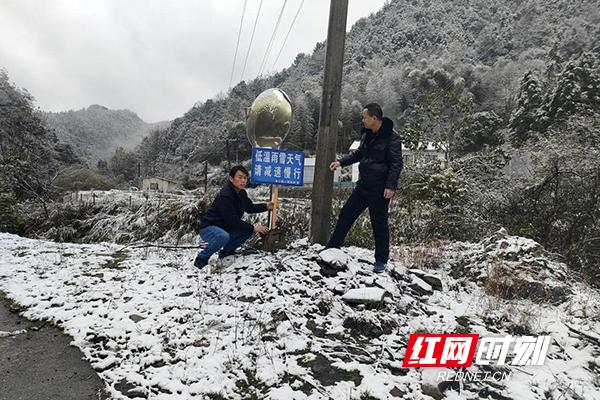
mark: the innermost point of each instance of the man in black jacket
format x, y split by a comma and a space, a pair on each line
380, 157
221, 227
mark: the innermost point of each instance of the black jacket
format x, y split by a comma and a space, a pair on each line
380, 157
228, 208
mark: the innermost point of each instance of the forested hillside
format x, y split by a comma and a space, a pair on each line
30, 155
96, 132
446, 71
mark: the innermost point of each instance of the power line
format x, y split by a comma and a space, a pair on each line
251, 39
238, 43
287, 35
264, 61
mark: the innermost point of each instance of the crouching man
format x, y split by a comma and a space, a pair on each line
221, 227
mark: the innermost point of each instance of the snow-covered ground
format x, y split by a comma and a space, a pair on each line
299, 325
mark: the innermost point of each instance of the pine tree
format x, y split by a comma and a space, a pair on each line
479, 131
525, 116
578, 89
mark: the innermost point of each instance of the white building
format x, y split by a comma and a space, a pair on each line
159, 184
309, 172
422, 156
409, 157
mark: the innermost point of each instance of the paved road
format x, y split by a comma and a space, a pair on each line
39, 364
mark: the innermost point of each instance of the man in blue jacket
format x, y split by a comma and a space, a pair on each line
380, 157
222, 227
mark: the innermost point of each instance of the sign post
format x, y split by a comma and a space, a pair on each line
268, 122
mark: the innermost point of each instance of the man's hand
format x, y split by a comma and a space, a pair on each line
260, 229
334, 165
270, 205
388, 193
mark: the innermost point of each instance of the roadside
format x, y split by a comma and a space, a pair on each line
37, 361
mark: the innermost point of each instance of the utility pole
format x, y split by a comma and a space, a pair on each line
205, 176
228, 158
328, 122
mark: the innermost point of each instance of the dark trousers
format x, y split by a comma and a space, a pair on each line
378, 210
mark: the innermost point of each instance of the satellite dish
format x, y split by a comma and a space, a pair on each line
269, 119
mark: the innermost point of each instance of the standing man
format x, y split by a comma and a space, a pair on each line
380, 157
221, 227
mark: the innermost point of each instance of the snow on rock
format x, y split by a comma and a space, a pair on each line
433, 280
334, 257
4, 334
364, 295
514, 267
420, 286
280, 326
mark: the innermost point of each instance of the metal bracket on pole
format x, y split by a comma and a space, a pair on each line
273, 240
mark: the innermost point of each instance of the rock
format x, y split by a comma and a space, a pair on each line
418, 272
332, 261
397, 392
487, 393
368, 281
136, 318
339, 289
432, 391
520, 282
279, 315
329, 375
316, 277
434, 281
202, 342
327, 271
365, 295
444, 386
396, 368
130, 390
369, 324
315, 329
420, 286
248, 299
105, 364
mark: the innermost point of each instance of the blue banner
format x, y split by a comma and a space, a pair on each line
280, 167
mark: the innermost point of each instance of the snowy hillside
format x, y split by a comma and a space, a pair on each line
300, 324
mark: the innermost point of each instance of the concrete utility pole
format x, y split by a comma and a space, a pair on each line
205, 176
228, 158
328, 122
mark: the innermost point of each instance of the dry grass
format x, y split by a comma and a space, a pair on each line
428, 255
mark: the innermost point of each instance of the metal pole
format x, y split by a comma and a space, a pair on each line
270, 212
228, 159
205, 176
328, 122
274, 199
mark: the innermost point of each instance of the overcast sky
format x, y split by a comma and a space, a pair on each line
154, 57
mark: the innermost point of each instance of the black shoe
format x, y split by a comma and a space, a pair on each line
378, 267
222, 255
200, 263
246, 251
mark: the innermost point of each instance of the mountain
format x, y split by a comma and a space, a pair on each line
96, 132
454, 58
